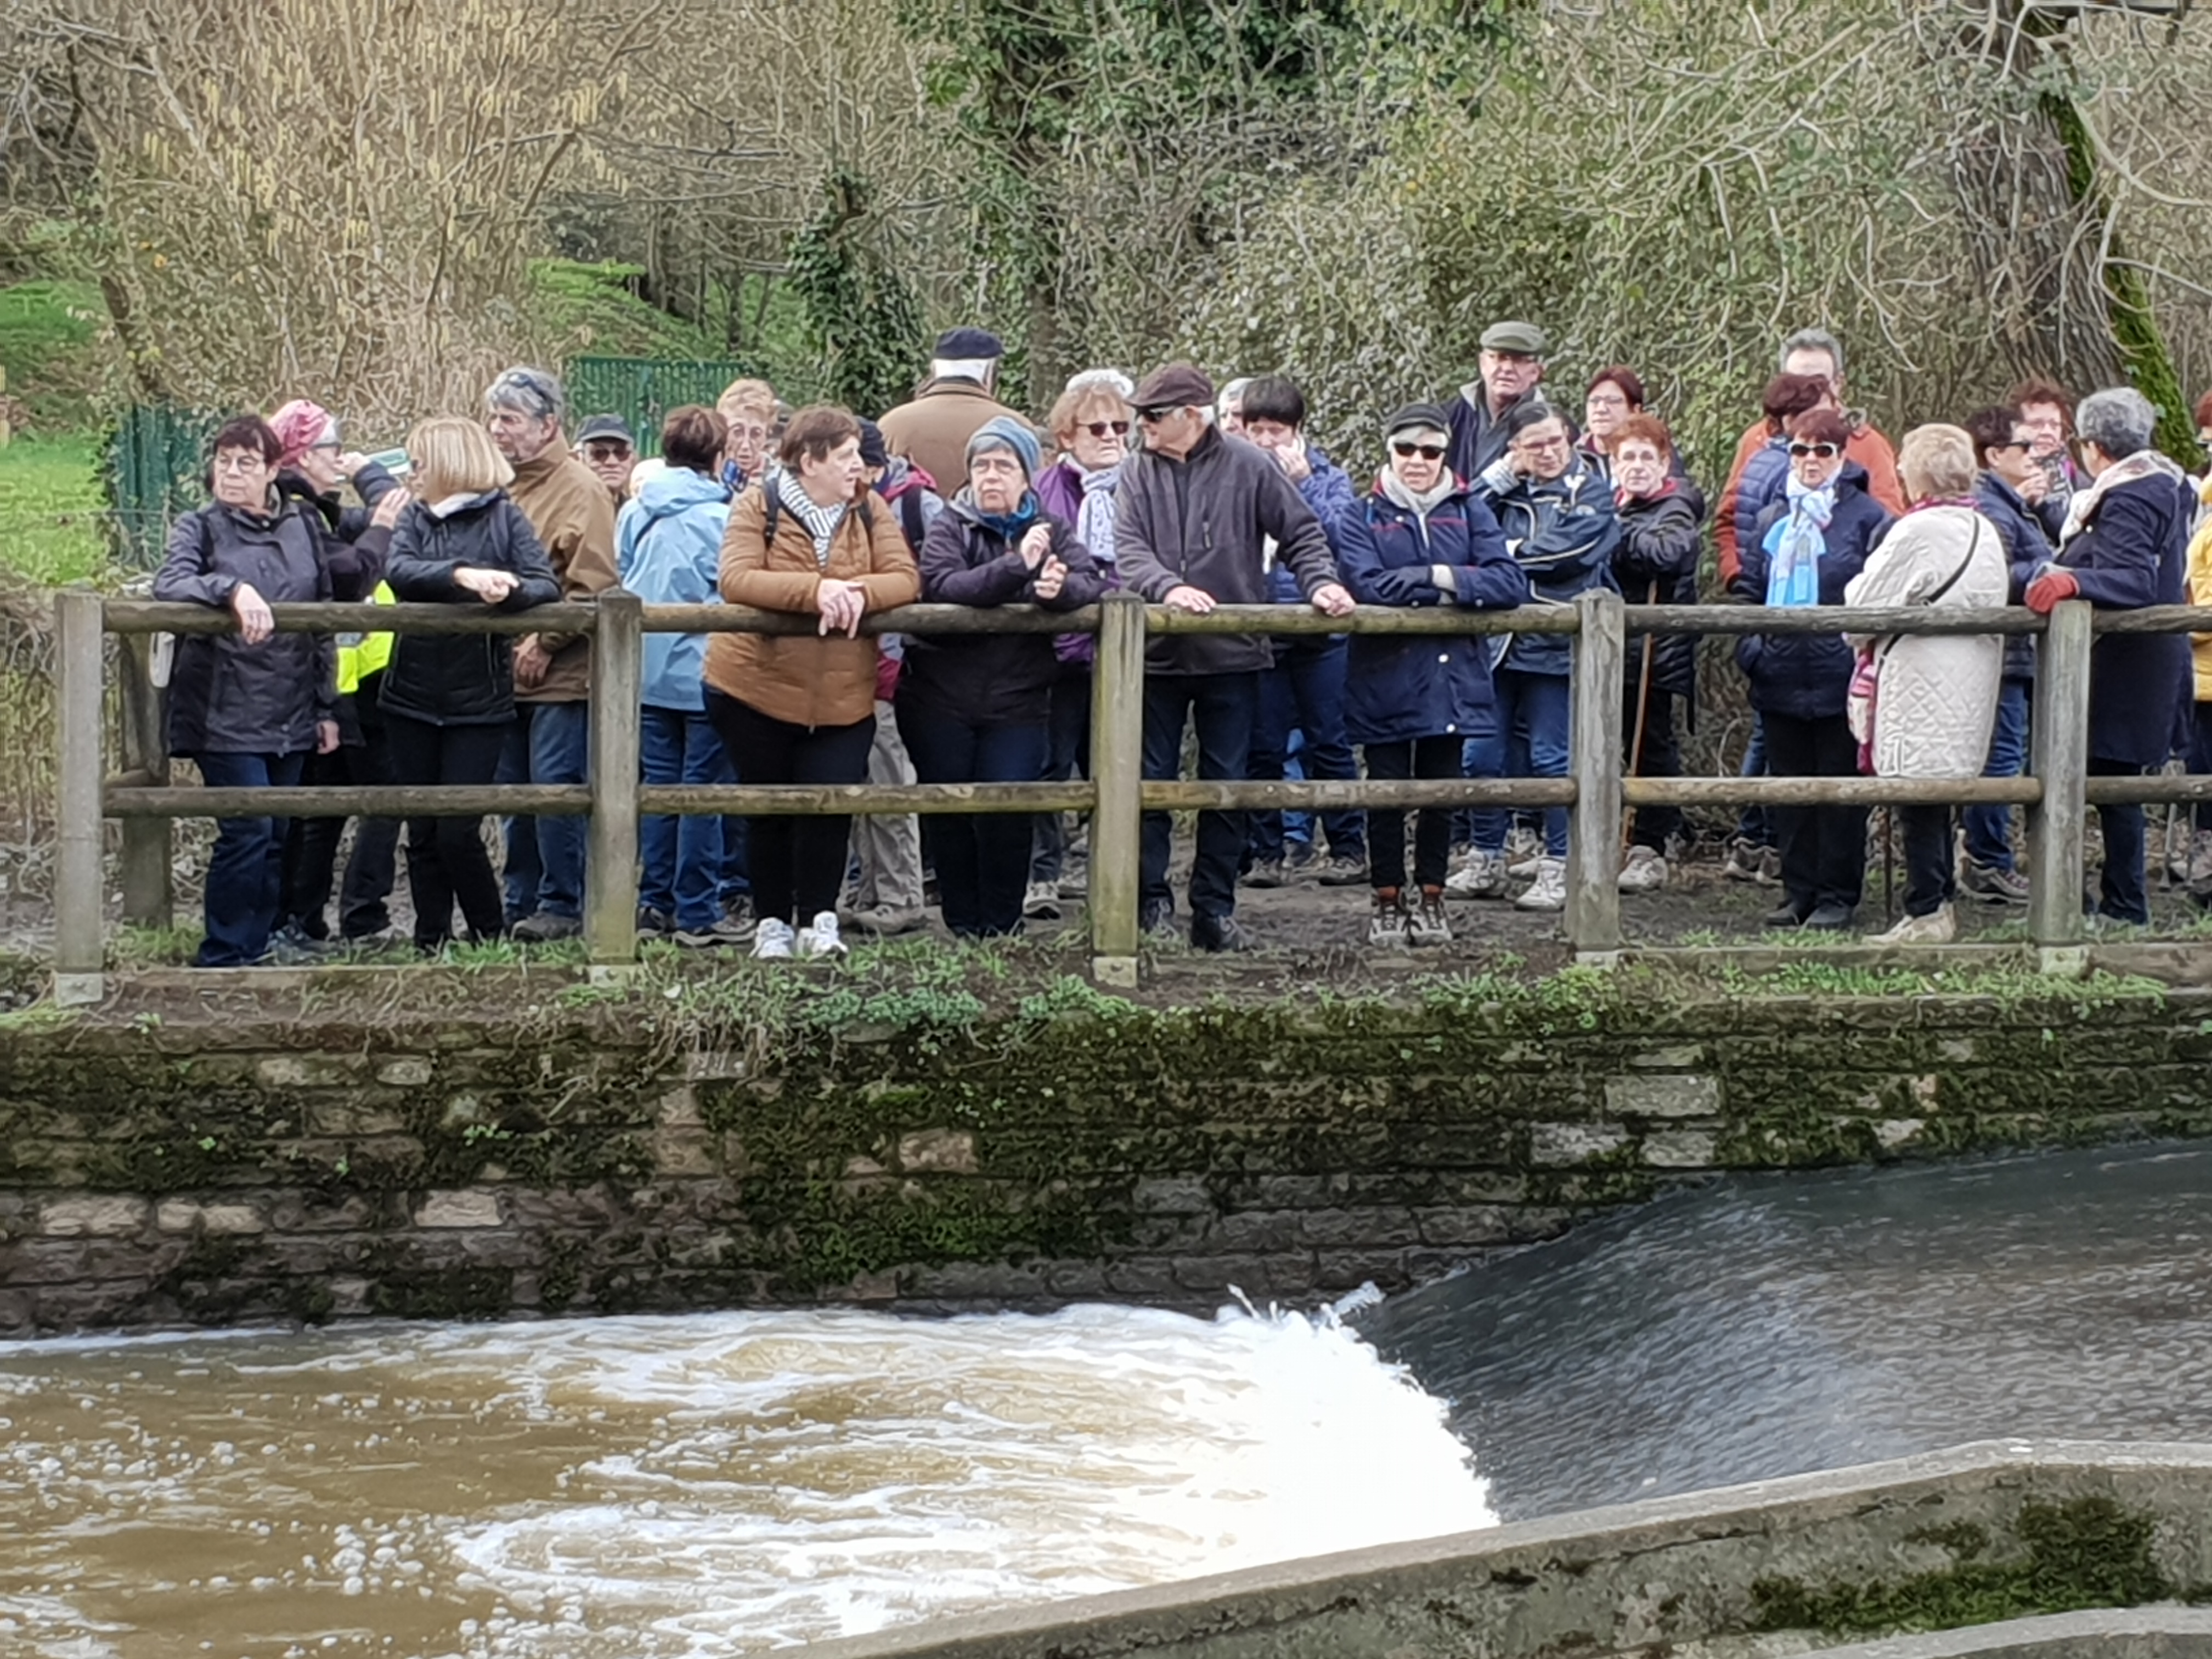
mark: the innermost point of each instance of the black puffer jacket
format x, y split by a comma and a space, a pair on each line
1662, 537
227, 697
460, 679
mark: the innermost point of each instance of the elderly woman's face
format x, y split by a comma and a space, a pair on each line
747, 444
1815, 461
1639, 467
1417, 457
319, 463
835, 477
1605, 408
1101, 439
995, 479
242, 478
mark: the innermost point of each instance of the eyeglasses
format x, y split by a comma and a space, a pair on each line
1100, 429
240, 461
330, 448
1427, 452
1799, 452
1154, 417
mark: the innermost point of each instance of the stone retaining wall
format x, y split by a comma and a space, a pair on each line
582, 1154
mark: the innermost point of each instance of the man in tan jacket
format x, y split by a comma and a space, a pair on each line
570, 510
953, 406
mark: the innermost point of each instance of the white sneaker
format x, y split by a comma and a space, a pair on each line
1387, 926
1484, 878
1940, 926
1042, 901
1524, 851
821, 939
1426, 923
1645, 871
1548, 891
772, 938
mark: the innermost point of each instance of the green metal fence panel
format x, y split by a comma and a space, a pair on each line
156, 465
642, 390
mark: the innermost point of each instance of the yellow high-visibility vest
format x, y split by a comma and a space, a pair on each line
361, 655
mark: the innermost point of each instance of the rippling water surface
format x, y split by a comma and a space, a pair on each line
1773, 1325
631, 1488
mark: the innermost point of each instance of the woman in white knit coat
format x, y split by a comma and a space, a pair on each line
1935, 696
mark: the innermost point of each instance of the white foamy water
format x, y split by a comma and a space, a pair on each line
642, 1488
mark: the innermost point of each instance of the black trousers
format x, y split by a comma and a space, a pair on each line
797, 864
310, 849
1396, 762
446, 863
1823, 848
1930, 874
1660, 757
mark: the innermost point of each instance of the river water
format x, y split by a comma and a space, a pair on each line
645, 1488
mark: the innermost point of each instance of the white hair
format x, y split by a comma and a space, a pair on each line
964, 368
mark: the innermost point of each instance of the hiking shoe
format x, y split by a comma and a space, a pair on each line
653, 924
1992, 885
1427, 925
1042, 901
1940, 926
772, 939
887, 921
1157, 916
1341, 870
1522, 845
1745, 861
1267, 872
1386, 928
1829, 918
1645, 872
1523, 868
1770, 866
545, 927
1548, 891
728, 929
820, 938
1220, 933
1075, 884
1785, 915
1484, 878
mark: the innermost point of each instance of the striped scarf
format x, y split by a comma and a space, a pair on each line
821, 522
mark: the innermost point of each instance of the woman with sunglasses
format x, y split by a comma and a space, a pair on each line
1805, 550
1091, 425
1413, 702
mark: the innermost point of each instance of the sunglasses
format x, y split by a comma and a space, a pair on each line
2014, 443
1154, 417
1427, 452
1799, 452
1100, 429
606, 451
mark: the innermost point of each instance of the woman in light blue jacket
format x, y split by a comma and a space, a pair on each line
669, 546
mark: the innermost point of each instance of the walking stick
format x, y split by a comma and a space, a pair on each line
1643, 710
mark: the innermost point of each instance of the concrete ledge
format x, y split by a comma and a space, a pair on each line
1703, 1573
2160, 1632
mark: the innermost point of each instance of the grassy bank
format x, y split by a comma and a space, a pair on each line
52, 509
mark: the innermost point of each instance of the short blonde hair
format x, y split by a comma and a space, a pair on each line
1936, 460
741, 398
454, 456
1094, 400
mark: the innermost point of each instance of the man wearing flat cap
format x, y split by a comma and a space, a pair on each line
954, 404
1200, 521
605, 444
1512, 367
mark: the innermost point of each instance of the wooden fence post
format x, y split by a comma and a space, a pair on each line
1117, 767
1594, 827
611, 864
79, 949
148, 899
2060, 758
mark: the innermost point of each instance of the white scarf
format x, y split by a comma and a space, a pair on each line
2143, 464
821, 522
1420, 503
1094, 518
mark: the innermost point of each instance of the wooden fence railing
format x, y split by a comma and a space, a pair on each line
2055, 790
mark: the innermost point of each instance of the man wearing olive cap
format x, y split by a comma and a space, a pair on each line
1512, 366
954, 404
1200, 519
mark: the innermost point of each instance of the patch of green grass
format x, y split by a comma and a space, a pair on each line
49, 345
53, 512
133, 946
590, 311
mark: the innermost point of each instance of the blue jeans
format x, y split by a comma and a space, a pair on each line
1534, 721
1305, 692
680, 859
1752, 826
982, 859
1989, 829
245, 870
1224, 708
551, 743
2122, 898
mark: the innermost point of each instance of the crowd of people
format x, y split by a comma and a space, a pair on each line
1502, 496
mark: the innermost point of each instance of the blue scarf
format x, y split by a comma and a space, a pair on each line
1011, 525
1795, 544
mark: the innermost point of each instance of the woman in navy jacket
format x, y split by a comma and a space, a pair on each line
1806, 549
1412, 701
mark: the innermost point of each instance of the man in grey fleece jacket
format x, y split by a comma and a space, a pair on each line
1200, 521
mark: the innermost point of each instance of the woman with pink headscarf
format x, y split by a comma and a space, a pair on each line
351, 542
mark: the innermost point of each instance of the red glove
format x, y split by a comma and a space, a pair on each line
2045, 593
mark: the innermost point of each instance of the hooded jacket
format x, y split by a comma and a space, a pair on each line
227, 697
574, 520
1808, 676
668, 546
1204, 522
991, 679
460, 679
1400, 687
1562, 533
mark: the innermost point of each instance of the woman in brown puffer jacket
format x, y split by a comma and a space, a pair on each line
801, 709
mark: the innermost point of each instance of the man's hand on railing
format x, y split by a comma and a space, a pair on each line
1195, 600
256, 622
1334, 600
841, 603
490, 585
